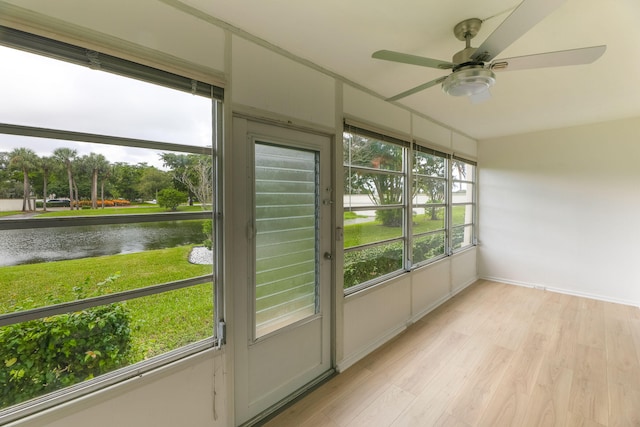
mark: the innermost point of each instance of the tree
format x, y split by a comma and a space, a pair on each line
9, 188
95, 165
66, 156
379, 182
78, 170
199, 178
430, 166
178, 163
108, 173
46, 165
24, 159
152, 181
194, 173
126, 180
171, 198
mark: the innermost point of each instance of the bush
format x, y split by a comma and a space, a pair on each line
390, 217
171, 198
427, 247
84, 204
367, 264
207, 229
43, 355
457, 237
54, 203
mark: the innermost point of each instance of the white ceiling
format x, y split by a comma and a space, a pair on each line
341, 35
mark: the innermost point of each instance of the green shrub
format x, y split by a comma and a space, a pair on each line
207, 229
43, 355
457, 237
427, 247
170, 198
390, 217
367, 264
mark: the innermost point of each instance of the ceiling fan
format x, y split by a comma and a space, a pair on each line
473, 68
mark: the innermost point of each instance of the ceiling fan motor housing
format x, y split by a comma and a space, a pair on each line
469, 80
463, 56
469, 76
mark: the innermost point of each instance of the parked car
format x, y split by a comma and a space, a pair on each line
52, 203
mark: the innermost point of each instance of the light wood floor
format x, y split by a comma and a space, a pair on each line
494, 355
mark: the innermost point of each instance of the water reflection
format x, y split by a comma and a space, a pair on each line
56, 244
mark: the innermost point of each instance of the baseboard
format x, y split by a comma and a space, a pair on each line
562, 291
357, 356
465, 285
430, 308
441, 301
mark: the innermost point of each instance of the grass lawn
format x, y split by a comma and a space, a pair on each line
353, 215
374, 231
140, 209
160, 322
8, 213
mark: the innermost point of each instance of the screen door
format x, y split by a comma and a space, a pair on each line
286, 344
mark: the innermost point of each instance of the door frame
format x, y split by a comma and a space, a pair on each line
245, 132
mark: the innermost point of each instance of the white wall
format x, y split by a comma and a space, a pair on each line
441, 137
559, 209
270, 84
187, 393
7, 205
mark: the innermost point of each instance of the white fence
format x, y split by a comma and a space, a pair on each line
13, 204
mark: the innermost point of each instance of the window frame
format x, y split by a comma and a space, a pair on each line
473, 204
410, 175
403, 173
56, 50
416, 147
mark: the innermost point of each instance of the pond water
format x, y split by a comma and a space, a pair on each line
55, 244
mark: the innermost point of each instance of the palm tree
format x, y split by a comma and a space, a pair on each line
66, 156
95, 164
24, 159
46, 165
105, 177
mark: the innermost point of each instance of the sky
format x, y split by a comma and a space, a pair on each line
43, 92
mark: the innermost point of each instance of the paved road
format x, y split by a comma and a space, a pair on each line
31, 214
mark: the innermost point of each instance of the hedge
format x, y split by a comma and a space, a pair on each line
43, 355
367, 264
108, 203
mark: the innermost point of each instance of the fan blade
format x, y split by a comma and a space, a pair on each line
521, 20
417, 89
585, 55
481, 97
405, 58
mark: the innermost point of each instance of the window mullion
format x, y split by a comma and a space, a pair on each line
449, 213
408, 207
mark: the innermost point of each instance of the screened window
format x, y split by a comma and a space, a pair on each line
391, 227
374, 207
430, 209
108, 253
463, 205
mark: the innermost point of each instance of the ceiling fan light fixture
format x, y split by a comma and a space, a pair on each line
468, 81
